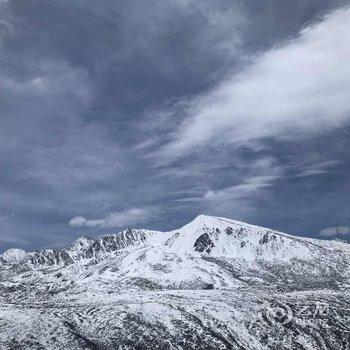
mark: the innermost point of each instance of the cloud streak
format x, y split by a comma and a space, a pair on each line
335, 231
247, 188
318, 168
299, 88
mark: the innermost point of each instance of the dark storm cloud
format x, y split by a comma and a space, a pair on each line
88, 93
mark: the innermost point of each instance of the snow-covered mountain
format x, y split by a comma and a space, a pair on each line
141, 289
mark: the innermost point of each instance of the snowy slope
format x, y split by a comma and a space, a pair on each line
172, 272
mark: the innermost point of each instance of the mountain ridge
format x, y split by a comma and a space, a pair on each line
200, 221
206, 250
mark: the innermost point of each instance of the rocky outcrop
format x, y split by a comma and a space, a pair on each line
118, 241
203, 244
50, 257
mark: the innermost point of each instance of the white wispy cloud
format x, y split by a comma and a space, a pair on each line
318, 168
247, 188
299, 88
335, 231
3, 218
116, 219
6, 217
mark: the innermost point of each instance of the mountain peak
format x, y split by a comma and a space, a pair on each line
14, 255
84, 239
80, 246
214, 222
203, 219
82, 242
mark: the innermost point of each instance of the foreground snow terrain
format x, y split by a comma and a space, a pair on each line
215, 283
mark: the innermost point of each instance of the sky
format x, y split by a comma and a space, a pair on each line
119, 114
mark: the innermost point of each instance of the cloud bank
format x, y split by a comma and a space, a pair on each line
116, 219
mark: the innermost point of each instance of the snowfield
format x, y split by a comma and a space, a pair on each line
215, 283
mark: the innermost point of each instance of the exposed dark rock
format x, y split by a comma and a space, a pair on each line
229, 231
203, 243
209, 286
264, 239
50, 257
116, 242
